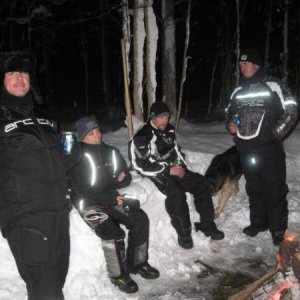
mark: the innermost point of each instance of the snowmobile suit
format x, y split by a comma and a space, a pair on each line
153, 153
34, 209
267, 112
94, 184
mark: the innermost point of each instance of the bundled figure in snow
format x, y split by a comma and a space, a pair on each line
34, 209
154, 153
260, 114
97, 171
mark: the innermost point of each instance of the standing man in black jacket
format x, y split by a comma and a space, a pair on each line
97, 171
155, 154
34, 209
261, 113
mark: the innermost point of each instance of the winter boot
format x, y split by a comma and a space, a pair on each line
253, 230
125, 284
186, 241
114, 252
146, 271
210, 230
277, 236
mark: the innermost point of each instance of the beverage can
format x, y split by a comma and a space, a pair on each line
68, 140
237, 120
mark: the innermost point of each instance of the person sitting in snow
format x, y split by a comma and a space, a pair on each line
154, 153
98, 171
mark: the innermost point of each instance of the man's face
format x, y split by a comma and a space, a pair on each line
248, 69
17, 83
94, 137
161, 122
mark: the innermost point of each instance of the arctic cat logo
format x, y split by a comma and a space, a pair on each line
26, 122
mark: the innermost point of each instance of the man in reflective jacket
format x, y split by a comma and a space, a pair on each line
155, 154
97, 172
34, 209
261, 113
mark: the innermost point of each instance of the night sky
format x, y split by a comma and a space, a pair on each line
69, 37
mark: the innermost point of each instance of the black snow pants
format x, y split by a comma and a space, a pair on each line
40, 244
176, 204
265, 174
137, 223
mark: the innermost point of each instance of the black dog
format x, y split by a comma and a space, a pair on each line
223, 175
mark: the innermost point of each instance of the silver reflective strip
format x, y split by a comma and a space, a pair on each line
290, 102
93, 168
81, 204
253, 95
114, 161
179, 154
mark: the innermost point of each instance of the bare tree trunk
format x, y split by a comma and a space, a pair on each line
138, 49
12, 38
285, 40
237, 50
184, 65
126, 35
106, 95
268, 34
168, 55
212, 80
84, 62
151, 48
126, 90
298, 59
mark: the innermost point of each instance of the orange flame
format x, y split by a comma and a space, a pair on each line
290, 237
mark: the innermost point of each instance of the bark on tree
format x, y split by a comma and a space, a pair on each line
268, 35
126, 35
184, 65
237, 49
138, 50
168, 55
285, 40
212, 80
104, 69
151, 49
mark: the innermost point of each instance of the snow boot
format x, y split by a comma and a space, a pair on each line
210, 230
125, 284
186, 241
277, 236
146, 271
253, 231
114, 252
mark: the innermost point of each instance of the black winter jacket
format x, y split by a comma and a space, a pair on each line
153, 152
266, 109
32, 177
93, 173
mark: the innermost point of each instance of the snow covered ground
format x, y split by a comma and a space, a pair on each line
179, 268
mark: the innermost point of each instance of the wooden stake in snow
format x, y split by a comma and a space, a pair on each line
126, 90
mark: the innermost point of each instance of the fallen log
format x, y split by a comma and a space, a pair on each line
248, 291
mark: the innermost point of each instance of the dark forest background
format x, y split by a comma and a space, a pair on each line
79, 65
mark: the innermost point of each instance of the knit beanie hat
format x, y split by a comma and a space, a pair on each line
84, 126
157, 109
251, 55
